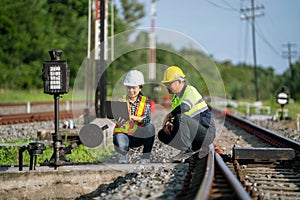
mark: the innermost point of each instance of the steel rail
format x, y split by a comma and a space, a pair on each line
207, 182
233, 181
39, 116
214, 160
36, 103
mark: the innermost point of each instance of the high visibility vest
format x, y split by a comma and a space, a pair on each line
193, 99
131, 126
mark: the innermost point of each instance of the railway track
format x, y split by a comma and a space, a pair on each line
270, 180
37, 117
214, 178
267, 172
210, 178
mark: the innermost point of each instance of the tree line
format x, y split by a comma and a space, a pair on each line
29, 28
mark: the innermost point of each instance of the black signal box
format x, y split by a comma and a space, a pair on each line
56, 77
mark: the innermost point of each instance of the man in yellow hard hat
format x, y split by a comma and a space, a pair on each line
189, 126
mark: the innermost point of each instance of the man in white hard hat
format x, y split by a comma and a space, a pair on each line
138, 131
190, 126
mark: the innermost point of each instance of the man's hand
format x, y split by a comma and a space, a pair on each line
168, 127
168, 118
167, 124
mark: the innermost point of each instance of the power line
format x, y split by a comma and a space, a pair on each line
278, 30
228, 7
261, 35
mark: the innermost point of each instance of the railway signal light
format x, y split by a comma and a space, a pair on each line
56, 74
56, 77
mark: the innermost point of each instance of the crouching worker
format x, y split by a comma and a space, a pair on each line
189, 126
138, 131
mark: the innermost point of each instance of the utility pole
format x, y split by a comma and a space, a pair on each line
252, 16
289, 54
101, 56
152, 65
152, 43
112, 28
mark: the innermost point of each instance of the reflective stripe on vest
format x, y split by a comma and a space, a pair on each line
130, 126
193, 99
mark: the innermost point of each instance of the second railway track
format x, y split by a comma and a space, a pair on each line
15, 113
267, 164
37, 117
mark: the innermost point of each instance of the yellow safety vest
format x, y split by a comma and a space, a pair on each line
131, 126
193, 99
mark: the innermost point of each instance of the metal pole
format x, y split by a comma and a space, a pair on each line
291, 70
88, 79
112, 31
100, 95
56, 128
103, 71
88, 54
290, 62
31, 162
281, 116
254, 51
89, 29
21, 150
152, 60
152, 67
289, 54
252, 16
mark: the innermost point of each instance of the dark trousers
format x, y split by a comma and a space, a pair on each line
187, 133
144, 136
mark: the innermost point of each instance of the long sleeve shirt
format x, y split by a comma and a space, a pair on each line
134, 105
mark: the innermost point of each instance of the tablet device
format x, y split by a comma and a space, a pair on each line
116, 109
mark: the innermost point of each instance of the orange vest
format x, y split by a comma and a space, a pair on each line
131, 126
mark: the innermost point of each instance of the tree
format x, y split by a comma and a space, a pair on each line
30, 28
132, 11
295, 83
22, 36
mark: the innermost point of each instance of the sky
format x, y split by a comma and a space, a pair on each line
217, 26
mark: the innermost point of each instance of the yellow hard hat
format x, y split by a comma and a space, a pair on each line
172, 73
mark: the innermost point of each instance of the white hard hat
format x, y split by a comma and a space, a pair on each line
134, 78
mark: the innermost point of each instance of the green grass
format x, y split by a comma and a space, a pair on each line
293, 108
13, 96
10, 155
